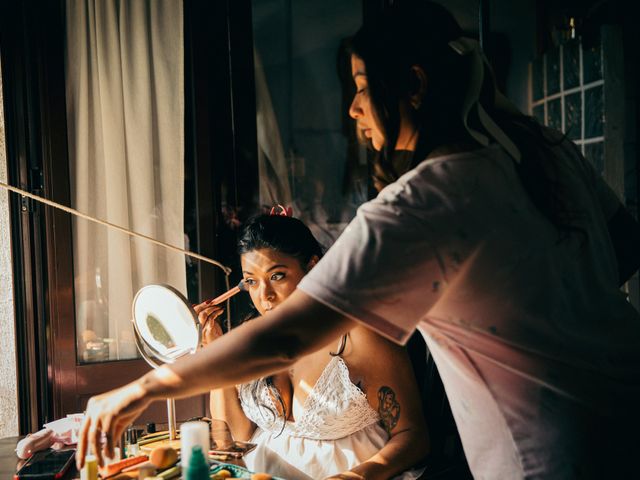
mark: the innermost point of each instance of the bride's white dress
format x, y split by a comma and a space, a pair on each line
336, 430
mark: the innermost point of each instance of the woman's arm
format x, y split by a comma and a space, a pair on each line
223, 402
299, 326
390, 385
225, 405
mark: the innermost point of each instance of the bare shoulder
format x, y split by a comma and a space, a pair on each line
365, 339
367, 351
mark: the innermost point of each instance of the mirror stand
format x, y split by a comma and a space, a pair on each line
166, 328
171, 402
171, 416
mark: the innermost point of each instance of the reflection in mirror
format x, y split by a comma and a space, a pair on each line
159, 333
165, 322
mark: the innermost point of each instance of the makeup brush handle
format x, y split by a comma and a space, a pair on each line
224, 296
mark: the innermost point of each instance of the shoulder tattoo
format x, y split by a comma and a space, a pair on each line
388, 408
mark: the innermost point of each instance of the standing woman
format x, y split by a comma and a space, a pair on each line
493, 236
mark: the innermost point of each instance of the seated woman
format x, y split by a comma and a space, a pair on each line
351, 410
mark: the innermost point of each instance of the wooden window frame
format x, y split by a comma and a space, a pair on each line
220, 145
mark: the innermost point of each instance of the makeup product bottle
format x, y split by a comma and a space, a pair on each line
131, 442
192, 434
198, 467
90, 469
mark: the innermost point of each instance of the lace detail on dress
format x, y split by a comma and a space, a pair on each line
335, 407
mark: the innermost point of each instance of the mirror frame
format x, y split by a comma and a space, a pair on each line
147, 351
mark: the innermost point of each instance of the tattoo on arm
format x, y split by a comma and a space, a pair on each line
388, 408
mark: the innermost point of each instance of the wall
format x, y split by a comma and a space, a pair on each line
8, 378
512, 29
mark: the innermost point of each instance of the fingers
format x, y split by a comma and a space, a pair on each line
122, 425
94, 443
82, 442
204, 305
208, 313
198, 308
108, 429
212, 315
109, 413
210, 327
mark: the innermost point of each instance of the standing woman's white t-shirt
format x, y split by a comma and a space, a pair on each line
538, 349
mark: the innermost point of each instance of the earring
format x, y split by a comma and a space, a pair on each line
416, 104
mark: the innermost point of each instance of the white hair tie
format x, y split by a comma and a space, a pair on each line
471, 106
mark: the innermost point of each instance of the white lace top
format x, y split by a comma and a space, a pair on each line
336, 430
334, 408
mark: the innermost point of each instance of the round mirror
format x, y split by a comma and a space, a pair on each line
166, 323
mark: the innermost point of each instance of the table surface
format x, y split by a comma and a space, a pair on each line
9, 461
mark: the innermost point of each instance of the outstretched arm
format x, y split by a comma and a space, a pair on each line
299, 326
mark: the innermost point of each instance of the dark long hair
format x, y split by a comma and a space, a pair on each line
291, 237
418, 33
286, 235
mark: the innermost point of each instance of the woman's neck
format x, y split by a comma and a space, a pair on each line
408, 132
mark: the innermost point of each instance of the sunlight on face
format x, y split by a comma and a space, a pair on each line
270, 276
361, 108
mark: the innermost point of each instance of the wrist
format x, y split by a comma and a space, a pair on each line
155, 385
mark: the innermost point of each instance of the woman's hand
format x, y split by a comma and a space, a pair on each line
109, 414
208, 317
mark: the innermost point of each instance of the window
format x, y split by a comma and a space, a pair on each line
308, 153
125, 129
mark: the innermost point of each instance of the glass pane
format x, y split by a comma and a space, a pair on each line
308, 152
554, 114
592, 62
116, 267
553, 71
126, 161
573, 116
104, 312
571, 64
593, 112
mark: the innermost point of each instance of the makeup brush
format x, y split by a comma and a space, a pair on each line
228, 294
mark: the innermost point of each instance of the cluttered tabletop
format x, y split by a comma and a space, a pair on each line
193, 454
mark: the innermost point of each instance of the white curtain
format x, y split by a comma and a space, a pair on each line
272, 163
125, 114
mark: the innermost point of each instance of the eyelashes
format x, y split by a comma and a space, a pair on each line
275, 277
